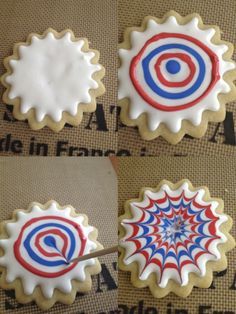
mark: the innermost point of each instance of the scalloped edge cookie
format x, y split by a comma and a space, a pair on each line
187, 127
194, 280
58, 296
66, 117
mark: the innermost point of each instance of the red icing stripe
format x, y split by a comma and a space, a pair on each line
181, 56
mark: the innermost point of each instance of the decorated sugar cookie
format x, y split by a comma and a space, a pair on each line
173, 237
175, 75
52, 79
36, 248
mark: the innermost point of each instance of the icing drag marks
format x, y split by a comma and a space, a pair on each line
172, 233
40, 245
49, 242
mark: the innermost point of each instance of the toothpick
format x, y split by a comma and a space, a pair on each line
102, 252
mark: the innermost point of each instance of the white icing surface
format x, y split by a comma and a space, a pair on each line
137, 213
31, 280
52, 76
173, 120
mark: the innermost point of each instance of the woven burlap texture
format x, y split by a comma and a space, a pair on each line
90, 186
219, 175
95, 20
214, 12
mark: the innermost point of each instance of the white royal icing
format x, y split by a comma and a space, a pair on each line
29, 279
172, 119
165, 231
53, 75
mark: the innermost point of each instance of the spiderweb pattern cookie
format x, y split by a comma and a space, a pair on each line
36, 247
173, 238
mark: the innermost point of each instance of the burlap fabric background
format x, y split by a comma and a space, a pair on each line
220, 177
96, 20
90, 186
216, 12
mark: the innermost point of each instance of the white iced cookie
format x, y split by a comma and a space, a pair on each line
36, 248
175, 75
52, 79
173, 238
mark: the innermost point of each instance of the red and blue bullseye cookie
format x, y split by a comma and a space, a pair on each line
175, 75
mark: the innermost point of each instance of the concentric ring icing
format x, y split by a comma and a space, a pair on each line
170, 95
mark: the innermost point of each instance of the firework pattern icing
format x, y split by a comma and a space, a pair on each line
173, 72
172, 233
40, 246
